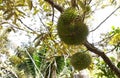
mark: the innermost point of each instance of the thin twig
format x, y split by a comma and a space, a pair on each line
12, 26
41, 20
43, 23
84, 13
53, 13
89, 1
27, 26
105, 19
106, 38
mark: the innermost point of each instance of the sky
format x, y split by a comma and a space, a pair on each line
99, 16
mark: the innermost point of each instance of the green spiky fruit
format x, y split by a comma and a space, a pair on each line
71, 29
81, 60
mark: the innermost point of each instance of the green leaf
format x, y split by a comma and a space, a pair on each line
113, 27
1, 1
37, 59
118, 65
30, 67
60, 63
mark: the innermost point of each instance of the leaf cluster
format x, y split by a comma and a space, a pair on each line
13, 9
105, 71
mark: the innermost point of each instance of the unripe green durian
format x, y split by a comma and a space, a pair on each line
71, 29
81, 60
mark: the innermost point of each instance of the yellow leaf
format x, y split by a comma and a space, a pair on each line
18, 12
20, 3
30, 5
1, 1
15, 18
81, 4
115, 39
35, 11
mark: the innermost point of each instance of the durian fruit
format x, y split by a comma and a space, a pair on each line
71, 29
80, 60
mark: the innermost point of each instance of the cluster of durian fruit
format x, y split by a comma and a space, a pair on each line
73, 31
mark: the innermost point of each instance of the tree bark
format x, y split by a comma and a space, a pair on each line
95, 50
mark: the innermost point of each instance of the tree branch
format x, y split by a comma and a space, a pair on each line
104, 57
58, 7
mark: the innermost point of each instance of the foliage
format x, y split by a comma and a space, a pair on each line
115, 40
104, 70
60, 61
118, 65
12, 8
